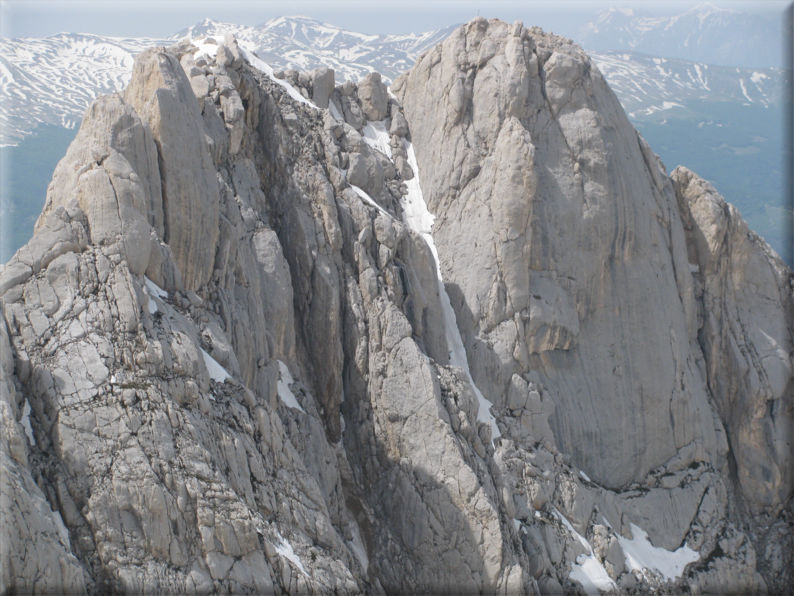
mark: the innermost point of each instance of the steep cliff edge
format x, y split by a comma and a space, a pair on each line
229, 364
744, 295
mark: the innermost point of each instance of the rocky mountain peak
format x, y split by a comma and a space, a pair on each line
463, 334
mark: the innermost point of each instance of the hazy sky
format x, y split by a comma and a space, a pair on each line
161, 18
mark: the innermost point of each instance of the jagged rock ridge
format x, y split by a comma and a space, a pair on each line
226, 367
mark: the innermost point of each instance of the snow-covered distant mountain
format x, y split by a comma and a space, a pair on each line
704, 33
650, 86
52, 80
303, 43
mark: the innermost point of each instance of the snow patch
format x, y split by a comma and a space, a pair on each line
377, 137
284, 392
642, 555
268, 70
592, 575
26, 422
210, 49
587, 570
585, 476
154, 290
284, 548
216, 371
757, 77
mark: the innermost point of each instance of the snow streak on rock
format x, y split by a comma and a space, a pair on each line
419, 219
284, 392
216, 371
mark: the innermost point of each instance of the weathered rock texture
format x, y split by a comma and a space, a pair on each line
560, 241
659, 324
745, 326
226, 370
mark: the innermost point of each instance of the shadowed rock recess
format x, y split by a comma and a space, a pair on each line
228, 359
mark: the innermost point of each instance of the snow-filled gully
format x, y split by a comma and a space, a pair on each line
417, 217
420, 220
587, 570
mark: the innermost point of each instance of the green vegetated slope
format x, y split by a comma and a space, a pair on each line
740, 150
26, 172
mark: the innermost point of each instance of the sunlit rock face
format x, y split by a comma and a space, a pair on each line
560, 238
460, 335
745, 327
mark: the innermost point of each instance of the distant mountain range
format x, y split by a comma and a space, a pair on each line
703, 34
52, 80
650, 86
303, 43
723, 122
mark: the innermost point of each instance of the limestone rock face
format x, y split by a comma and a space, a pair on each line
744, 293
110, 123
253, 381
34, 543
561, 245
161, 94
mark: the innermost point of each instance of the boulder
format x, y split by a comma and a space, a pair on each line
322, 81
399, 125
374, 97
